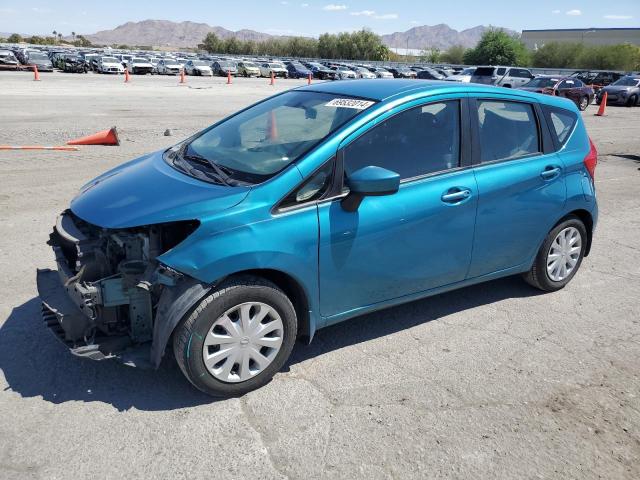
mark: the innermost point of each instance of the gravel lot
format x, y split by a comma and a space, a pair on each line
492, 381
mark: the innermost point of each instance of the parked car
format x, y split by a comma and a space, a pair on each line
381, 72
362, 72
402, 72
509, 77
321, 72
248, 69
276, 69
624, 91
8, 60
40, 60
272, 231
597, 79
224, 67
139, 66
75, 64
429, 74
569, 87
343, 73
464, 76
110, 65
168, 66
297, 70
198, 67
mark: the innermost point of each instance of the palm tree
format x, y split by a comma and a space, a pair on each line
55, 34
60, 36
73, 34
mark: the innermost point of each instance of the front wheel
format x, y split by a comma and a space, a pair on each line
237, 338
631, 101
560, 256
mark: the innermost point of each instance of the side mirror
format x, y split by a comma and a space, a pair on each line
369, 181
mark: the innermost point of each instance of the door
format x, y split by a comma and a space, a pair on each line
570, 89
416, 239
521, 188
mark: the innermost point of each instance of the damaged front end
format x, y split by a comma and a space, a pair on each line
106, 298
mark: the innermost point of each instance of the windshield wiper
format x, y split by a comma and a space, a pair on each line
222, 173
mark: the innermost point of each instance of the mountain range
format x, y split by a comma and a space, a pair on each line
165, 33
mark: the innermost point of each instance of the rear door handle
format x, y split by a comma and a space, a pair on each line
550, 172
456, 196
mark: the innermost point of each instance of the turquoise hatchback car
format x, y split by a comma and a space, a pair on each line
311, 207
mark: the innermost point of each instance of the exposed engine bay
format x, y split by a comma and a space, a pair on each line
112, 283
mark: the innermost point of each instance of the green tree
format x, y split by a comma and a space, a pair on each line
454, 56
211, 43
15, 38
430, 55
496, 47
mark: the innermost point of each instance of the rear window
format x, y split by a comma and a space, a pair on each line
561, 122
484, 71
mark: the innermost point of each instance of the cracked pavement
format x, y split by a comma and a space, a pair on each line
493, 381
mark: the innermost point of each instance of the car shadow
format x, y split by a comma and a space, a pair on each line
37, 365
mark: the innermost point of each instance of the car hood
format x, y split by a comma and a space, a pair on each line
148, 191
616, 89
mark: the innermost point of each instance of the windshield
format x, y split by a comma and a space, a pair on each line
140, 60
276, 65
200, 63
109, 60
250, 65
627, 82
38, 56
255, 144
542, 82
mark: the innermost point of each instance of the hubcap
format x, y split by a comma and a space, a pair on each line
583, 103
564, 254
242, 342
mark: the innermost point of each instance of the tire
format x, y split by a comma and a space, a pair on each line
631, 101
539, 276
583, 103
190, 336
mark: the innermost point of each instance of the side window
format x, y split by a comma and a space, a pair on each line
501, 71
561, 122
507, 130
312, 189
418, 141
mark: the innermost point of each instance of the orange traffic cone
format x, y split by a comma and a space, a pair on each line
273, 126
126, 75
105, 137
603, 106
36, 74
273, 79
228, 77
309, 80
182, 79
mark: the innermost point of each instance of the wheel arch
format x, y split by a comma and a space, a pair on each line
586, 218
292, 289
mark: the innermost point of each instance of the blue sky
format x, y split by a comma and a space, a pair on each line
309, 17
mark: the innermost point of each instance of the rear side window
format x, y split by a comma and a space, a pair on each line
561, 121
507, 130
501, 71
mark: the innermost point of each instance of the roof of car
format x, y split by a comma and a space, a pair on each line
383, 89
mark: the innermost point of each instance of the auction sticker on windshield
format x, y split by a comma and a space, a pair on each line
349, 103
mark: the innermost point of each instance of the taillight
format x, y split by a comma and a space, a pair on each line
591, 160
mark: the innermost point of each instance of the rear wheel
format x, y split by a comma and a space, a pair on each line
560, 256
237, 338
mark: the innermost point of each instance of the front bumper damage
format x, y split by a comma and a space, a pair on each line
102, 301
